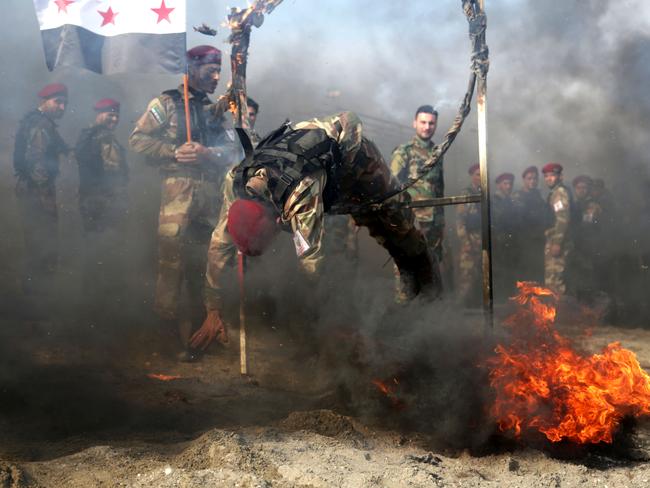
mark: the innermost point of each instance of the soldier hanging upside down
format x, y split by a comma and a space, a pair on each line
290, 181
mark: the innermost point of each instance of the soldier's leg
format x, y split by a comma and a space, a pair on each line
554, 267
176, 199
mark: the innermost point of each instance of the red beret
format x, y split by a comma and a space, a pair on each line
251, 226
583, 179
530, 169
552, 168
53, 90
107, 105
472, 169
505, 176
204, 55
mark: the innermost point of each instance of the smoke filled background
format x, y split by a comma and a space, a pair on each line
568, 83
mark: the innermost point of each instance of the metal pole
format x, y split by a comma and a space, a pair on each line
243, 356
481, 102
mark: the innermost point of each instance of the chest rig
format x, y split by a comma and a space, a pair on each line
203, 130
288, 156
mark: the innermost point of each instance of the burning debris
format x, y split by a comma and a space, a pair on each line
542, 383
164, 377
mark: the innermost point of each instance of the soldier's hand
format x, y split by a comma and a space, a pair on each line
556, 250
212, 328
192, 153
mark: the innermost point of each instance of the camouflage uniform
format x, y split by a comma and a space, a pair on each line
190, 194
533, 217
468, 228
361, 175
559, 201
37, 153
587, 239
405, 164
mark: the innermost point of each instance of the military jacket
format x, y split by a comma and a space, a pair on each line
533, 213
38, 149
469, 215
406, 162
560, 204
102, 162
161, 130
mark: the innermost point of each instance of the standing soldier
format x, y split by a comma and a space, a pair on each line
290, 181
37, 154
468, 228
558, 238
533, 217
504, 224
103, 202
191, 174
406, 162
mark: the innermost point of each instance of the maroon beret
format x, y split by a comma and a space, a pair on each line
251, 226
505, 176
472, 169
204, 55
530, 169
583, 179
107, 105
53, 90
552, 168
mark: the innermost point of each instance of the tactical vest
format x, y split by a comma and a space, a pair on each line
288, 156
56, 146
198, 124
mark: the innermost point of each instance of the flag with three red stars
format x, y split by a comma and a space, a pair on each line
114, 36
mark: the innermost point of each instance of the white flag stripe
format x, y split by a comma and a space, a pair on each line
129, 16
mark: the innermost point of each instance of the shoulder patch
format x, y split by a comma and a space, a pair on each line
557, 206
157, 112
230, 134
302, 246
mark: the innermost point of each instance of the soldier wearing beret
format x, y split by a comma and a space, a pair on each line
103, 203
468, 228
191, 178
533, 217
559, 243
504, 223
37, 153
294, 176
405, 164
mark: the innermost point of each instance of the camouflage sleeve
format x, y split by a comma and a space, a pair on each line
345, 128
399, 164
439, 191
148, 136
304, 210
560, 206
38, 141
221, 251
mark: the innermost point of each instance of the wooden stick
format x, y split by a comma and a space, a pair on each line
243, 356
186, 98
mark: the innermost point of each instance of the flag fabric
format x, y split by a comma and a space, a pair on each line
114, 36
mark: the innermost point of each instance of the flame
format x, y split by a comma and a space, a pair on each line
390, 391
163, 377
542, 383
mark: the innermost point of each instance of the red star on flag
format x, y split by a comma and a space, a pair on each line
163, 12
109, 16
63, 5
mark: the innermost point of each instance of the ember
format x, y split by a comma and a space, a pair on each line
542, 383
163, 377
390, 390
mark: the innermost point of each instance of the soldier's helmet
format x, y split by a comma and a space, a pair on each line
251, 225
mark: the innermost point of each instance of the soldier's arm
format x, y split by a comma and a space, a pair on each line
560, 207
399, 164
37, 144
148, 136
304, 210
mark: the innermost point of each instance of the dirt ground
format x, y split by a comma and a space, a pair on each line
77, 409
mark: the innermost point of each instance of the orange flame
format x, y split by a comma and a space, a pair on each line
543, 384
390, 392
163, 377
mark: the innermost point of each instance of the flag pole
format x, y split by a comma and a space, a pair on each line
186, 99
486, 248
243, 356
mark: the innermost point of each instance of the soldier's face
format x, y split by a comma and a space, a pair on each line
506, 187
252, 116
108, 119
54, 107
476, 178
205, 77
531, 181
581, 190
551, 179
425, 125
